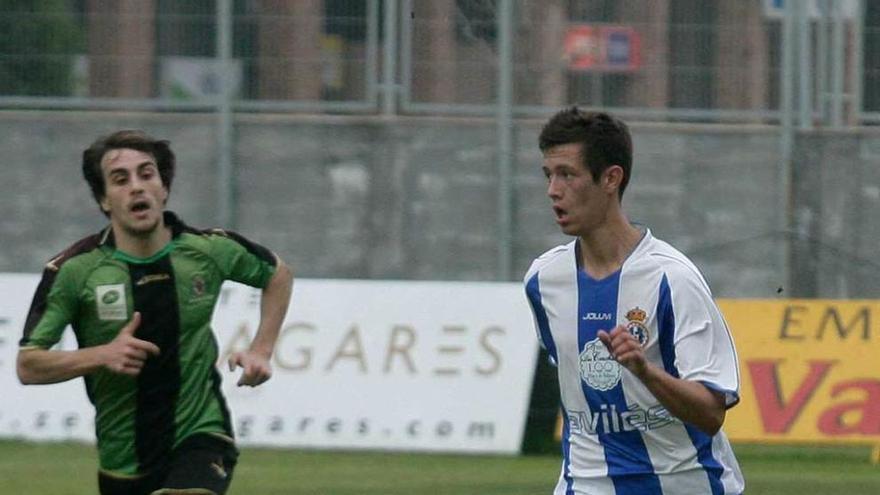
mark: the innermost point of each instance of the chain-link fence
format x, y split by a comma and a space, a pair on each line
671, 59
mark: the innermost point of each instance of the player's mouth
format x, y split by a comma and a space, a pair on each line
560, 213
140, 207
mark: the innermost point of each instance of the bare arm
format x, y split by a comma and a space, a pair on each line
273, 307
125, 354
689, 401
39, 366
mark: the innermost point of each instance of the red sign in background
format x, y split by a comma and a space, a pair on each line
602, 48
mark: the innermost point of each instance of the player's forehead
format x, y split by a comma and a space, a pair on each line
125, 159
569, 154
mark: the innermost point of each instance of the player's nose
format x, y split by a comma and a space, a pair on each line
137, 185
553, 189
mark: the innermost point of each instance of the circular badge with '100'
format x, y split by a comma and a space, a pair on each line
598, 369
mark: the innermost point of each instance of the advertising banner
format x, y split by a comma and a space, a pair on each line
59, 411
425, 366
604, 48
809, 370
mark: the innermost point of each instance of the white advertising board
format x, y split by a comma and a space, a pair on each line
423, 366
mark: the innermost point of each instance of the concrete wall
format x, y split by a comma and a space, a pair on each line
415, 198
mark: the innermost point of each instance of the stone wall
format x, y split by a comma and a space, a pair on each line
416, 198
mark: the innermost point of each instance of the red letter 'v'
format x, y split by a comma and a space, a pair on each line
776, 414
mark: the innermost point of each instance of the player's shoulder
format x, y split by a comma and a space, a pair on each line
196, 237
203, 236
81, 254
214, 236
551, 257
675, 265
210, 242
216, 241
189, 234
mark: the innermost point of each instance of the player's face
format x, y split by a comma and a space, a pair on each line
579, 203
134, 195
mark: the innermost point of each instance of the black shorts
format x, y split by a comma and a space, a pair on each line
201, 462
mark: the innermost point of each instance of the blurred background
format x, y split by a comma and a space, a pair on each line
396, 139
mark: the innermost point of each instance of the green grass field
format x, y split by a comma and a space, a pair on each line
69, 469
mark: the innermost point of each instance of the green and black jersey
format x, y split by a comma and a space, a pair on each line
96, 289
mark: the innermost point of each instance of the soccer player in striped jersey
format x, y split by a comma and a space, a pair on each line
139, 296
647, 366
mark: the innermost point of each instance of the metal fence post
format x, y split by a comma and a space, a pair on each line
822, 61
372, 69
224, 132
838, 56
389, 62
504, 116
786, 139
858, 62
805, 66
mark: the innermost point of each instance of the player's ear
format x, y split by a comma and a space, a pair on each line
105, 205
613, 177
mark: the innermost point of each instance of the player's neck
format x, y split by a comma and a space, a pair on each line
604, 249
142, 244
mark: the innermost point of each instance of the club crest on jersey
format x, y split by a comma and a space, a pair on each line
598, 369
198, 289
111, 302
198, 286
636, 319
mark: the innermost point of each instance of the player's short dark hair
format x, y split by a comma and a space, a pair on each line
159, 149
606, 140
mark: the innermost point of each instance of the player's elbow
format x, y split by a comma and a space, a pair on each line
286, 272
712, 422
24, 369
283, 278
711, 429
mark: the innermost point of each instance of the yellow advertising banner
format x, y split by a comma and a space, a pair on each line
810, 370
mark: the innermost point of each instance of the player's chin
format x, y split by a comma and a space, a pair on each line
146, 226
569, 229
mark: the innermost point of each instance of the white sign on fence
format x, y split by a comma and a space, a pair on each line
426, 366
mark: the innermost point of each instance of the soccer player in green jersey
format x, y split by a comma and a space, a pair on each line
139, 296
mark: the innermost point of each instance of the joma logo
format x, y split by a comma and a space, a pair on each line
597, 316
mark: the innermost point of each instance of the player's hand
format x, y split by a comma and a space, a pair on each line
625, 349
257, 368
126, 354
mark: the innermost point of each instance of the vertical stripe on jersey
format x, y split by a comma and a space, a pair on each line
533, 292
566, 453
629, 465
666, 328
216, 382
155, 297
702, 442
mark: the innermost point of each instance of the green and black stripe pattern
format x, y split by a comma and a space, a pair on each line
96, 289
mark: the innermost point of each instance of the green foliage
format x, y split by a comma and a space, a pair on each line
52, 468
38, 40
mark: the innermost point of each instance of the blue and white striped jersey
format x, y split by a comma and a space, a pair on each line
617, 438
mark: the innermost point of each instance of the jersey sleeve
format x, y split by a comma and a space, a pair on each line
539, 313
54, 306
703, 346
243, 261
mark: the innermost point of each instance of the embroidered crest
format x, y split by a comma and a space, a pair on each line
636, 319
198, 286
